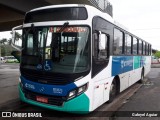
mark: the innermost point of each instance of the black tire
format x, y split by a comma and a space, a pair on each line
142, 77
113, 91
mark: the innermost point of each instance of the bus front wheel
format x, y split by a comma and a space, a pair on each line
113, 91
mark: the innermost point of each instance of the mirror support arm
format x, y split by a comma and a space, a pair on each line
13, 37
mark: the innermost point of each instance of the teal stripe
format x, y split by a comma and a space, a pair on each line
137, 60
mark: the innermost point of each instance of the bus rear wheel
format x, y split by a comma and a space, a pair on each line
142, 77
113, 91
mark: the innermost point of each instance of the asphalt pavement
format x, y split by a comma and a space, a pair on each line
9, 74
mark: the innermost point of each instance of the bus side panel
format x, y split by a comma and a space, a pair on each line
136, 73
147, 64
135, 76
128, 68
124, 80
101, 86
139, 63
121, 66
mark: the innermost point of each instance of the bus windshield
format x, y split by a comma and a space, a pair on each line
51, 50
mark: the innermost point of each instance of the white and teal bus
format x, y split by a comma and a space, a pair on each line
74, 58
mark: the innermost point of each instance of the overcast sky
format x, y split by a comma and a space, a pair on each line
142, 17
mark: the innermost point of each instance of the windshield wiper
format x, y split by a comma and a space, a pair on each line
62, 28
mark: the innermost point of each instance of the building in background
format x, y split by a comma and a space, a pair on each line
103, 5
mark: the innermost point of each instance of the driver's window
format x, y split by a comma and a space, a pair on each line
103, 52
95, 44
99, 54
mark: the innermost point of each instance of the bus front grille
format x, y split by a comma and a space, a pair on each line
52, 100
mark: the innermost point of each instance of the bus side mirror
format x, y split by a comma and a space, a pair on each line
102, 41
17, 37
17, 55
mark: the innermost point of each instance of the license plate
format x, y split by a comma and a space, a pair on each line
42, 99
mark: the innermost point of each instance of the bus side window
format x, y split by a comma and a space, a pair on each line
95, 45
103, 53
140, 47
144, 48
135, 46
100, 54
118, 42
150, 50
128, 42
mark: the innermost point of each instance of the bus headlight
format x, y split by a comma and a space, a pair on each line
82, 89
19, 80
72, 94
77, 91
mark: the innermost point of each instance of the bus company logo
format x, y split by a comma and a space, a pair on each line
57, 90
126, 63
41, 89
30, 86
122, 64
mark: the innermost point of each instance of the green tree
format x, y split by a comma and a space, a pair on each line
3, 41
5, 46
157, 54
2, 44
9, 41
17, 36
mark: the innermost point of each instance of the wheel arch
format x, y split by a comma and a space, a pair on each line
117, 79
143, 70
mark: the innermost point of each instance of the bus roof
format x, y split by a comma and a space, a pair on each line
89, 8
91, 14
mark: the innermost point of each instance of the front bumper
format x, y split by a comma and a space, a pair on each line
80, 104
